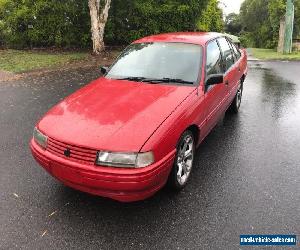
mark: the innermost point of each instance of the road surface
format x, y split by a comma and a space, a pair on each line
246, 179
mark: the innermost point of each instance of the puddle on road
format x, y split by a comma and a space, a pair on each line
279, 92
275, 95
255, 65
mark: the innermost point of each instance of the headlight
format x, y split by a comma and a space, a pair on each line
40, 138
125, 160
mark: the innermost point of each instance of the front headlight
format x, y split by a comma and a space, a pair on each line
40, 138
125, 160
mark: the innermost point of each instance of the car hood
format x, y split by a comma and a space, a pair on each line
112, 114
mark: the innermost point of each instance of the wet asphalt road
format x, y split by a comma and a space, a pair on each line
246, 179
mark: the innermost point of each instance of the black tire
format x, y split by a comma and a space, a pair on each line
173, 180
236, 103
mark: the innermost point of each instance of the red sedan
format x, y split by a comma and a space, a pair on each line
128, 133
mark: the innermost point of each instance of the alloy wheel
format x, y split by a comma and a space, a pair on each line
185, 159
239, 95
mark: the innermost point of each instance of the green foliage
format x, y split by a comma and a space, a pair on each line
247, 40
260, 21
37, 23
45, 23
276, 11
1, 33
130, 20
255, 20
297, 19
211, 18
233, 24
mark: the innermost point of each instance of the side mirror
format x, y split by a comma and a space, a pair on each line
104, 70
215, 79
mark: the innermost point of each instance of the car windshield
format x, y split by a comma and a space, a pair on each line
164, 62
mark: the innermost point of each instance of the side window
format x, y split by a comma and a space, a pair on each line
213, 59
228, 58
236, 52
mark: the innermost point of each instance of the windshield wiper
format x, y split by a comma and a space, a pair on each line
166, 80
133, 78
155, 80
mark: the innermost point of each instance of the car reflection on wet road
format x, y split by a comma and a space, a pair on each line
246, 179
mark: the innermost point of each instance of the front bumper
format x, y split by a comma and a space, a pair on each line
116, 183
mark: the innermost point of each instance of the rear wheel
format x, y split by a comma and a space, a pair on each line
183, 161
236, 104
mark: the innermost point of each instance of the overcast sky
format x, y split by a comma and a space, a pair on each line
232, 6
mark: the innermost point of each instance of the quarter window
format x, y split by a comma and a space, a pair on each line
228, 58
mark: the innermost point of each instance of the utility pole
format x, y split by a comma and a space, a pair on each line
289, 25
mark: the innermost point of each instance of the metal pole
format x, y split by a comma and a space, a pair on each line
289, 25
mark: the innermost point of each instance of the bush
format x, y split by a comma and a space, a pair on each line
1, 34
130, 20
29, 23
246, 40
211, 18
260, 20
45, 23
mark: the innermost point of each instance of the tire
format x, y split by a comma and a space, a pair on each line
236, 103
182, 167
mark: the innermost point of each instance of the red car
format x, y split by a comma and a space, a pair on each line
128, 133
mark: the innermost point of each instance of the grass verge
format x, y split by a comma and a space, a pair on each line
269, 54
18, 61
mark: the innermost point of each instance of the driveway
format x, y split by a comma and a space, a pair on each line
246, 179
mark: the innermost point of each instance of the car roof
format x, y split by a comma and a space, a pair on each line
200, 38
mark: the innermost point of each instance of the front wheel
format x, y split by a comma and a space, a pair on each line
236, 104
184, 159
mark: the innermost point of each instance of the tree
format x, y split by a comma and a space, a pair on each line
276, 11
233, 24
211, 19
260, 21
70, 23
297, 19
45, 23
254, 17
98, 21
130, 20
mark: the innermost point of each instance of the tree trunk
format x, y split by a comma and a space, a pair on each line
98, 22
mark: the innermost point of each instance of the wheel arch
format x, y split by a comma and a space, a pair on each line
243, 78
196, 132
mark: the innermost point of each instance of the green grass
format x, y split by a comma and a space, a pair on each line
269, 54
18, 61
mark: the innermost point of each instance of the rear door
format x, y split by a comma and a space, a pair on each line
230, 70
238, 66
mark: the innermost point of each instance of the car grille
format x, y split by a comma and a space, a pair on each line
78, 154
